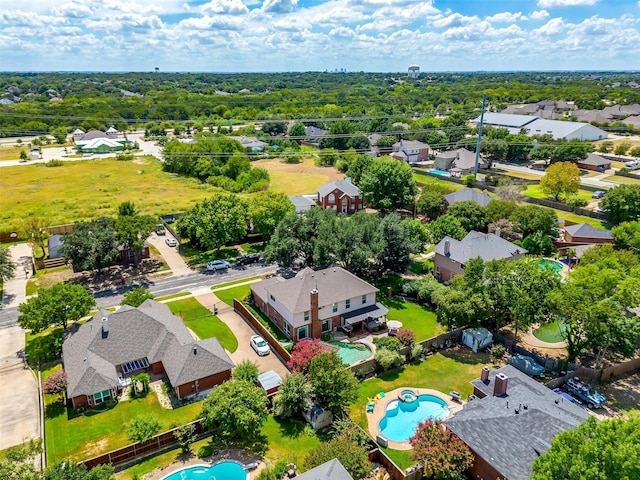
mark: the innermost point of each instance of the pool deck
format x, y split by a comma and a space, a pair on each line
380, 409
232, 454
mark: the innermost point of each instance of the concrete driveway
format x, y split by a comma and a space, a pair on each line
170, 254
243, 332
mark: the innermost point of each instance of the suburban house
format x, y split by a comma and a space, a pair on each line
583, 233
315, 302
451, 255
458, 162
342, 196
594, 162
467, 194
532, 125
101, 355
303, 203
127, 255
331, 470
96, 141
509, 421
252, 143
410, 151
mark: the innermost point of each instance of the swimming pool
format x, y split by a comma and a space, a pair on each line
225, 470
351, 353
439, 172
553, 265
402, 418
552, 332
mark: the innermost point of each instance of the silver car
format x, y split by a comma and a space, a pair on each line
259, 345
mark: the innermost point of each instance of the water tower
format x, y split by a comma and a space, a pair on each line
414, 71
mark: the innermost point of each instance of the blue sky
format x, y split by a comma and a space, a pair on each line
302, 35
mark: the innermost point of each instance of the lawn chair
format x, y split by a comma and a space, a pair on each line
370, 407
381, 394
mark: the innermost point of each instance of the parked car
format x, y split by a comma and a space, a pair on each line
259, 345
160, 230
526, 364
598, 194
216, 265
172, 242
247, 259
632, 165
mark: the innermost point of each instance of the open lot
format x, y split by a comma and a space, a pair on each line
298, 178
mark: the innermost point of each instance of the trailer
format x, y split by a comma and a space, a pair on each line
584, 392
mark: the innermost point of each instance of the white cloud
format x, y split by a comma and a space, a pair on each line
231, 7
73, 10
453, 20
279, 6
565, 3
552, 27
505, 17
539, 15
341, 32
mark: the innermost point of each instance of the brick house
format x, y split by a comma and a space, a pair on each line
583, 233
410, 151
315, 302
342, 196
101, 355
594, 162
451, 255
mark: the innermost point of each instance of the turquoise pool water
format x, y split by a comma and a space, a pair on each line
220, 471
402, 418
439, 172
551, 265
351, 353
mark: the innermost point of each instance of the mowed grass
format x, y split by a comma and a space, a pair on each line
228, 294
297, 179
429, 180
288, 440
203, 323
621, 179
84, 190
536, 192
421, 320
94, 433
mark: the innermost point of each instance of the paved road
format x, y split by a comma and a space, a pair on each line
591, 181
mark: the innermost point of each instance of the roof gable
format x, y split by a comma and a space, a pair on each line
589, 231
475, 244
345, 186
331, 470
466, 194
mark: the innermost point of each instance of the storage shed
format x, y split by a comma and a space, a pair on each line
318, 416
477, 338
270, 381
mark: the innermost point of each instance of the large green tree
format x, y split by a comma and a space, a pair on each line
470, 214
529, 219
334, 385
388, 184
622, 204
352, 456
133, 229
58, 305
267, 209
7, 265
91, 245
294, 396
595, 449
562, 178
137, 297
627, 235
446, 225
431, 200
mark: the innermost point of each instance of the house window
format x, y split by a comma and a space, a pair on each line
345, 205
287, 328
303, 332
334, 308
364, 299
332, 198
326, 326
100, 397
347, 304
306, 316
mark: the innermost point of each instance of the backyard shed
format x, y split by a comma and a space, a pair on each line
477, 338
54, 244
270, 381
318, 416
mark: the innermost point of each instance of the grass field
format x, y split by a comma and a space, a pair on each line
227, 295
414, 317
297, 179
536, 192
621, 179
428, 180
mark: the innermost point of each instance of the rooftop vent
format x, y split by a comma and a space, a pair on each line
195, 349
105, 325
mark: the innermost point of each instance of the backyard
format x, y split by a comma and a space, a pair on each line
418, 318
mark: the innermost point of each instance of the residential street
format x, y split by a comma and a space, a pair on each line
590, 181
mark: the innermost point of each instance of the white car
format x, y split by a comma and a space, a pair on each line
172, 242
216, 265
259, 345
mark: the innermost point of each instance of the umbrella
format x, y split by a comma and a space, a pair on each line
394, 324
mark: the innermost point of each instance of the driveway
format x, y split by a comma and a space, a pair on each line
170, 254
243, 332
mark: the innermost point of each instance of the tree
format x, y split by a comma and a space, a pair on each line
293, 397
34, 229
137, 297
23, 155
185, 436
297, 130
72, 471
635, 152
627, 235
571, 151
386, 142
446, 225
562, 178
235, 410
247, 371
594, 449
303, 352
431, 200
333, 385
398, 243
359, 167
274, 127
58, 305
499, 210
133, 229
443, 455
91, 245
470, 214
542, 152
142, 428
621, 148
215, 221
339, 135
538, 244
353, 457
529, 219
19, 462
7, 266
605, 147
359, 142
388, 184
267, 209
56, 383
622, 204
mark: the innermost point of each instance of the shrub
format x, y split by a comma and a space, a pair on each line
387, 358
54, 163
56, 383
247, 371
123, 157
205, 451
416, 351
303, 352
407, 337
326, 336
142, 428
497, 351
390, 343
185, 436
468, 181
577, 202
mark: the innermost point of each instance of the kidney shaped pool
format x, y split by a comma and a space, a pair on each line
402, 417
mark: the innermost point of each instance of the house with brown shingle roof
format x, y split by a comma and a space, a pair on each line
101, 355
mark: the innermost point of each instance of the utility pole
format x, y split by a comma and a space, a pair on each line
475, 166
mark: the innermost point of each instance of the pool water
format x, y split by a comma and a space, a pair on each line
551, 265
402, 418
551, 332
225, 470
351, 353
439, 172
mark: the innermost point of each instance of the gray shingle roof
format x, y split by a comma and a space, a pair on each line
510, 441
334, 285
463, 158
476, 244
465, 194
345, 186
151, 331
331, 470
595, 160
586, 230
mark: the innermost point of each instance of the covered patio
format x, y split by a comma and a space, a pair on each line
369, 317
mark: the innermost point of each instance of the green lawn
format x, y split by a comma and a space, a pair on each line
194, 257
422, 267
621, 179
288, 440
296, 179
84, 436
536, 192
204, 323
429, 180
414, 317
227, 295
224, 286
572, 217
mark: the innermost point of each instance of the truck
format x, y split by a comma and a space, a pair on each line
584, 392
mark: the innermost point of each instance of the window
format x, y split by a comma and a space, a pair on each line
303, 332
306, 316
347, 304
287, 328
364, 299
335, 308
100, 397
326, 326
332, 198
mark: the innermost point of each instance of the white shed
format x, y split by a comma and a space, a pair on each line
318, 416
477, 338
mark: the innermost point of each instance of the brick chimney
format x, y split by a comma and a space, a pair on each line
484, 376
447, 248
316, 326
500, 385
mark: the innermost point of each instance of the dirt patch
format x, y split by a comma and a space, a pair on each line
95, 448
306, 167
624, 393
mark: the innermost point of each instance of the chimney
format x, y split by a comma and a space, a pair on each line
105, 325
316, 326
447, 248
389, 292
484, 376
500, 385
